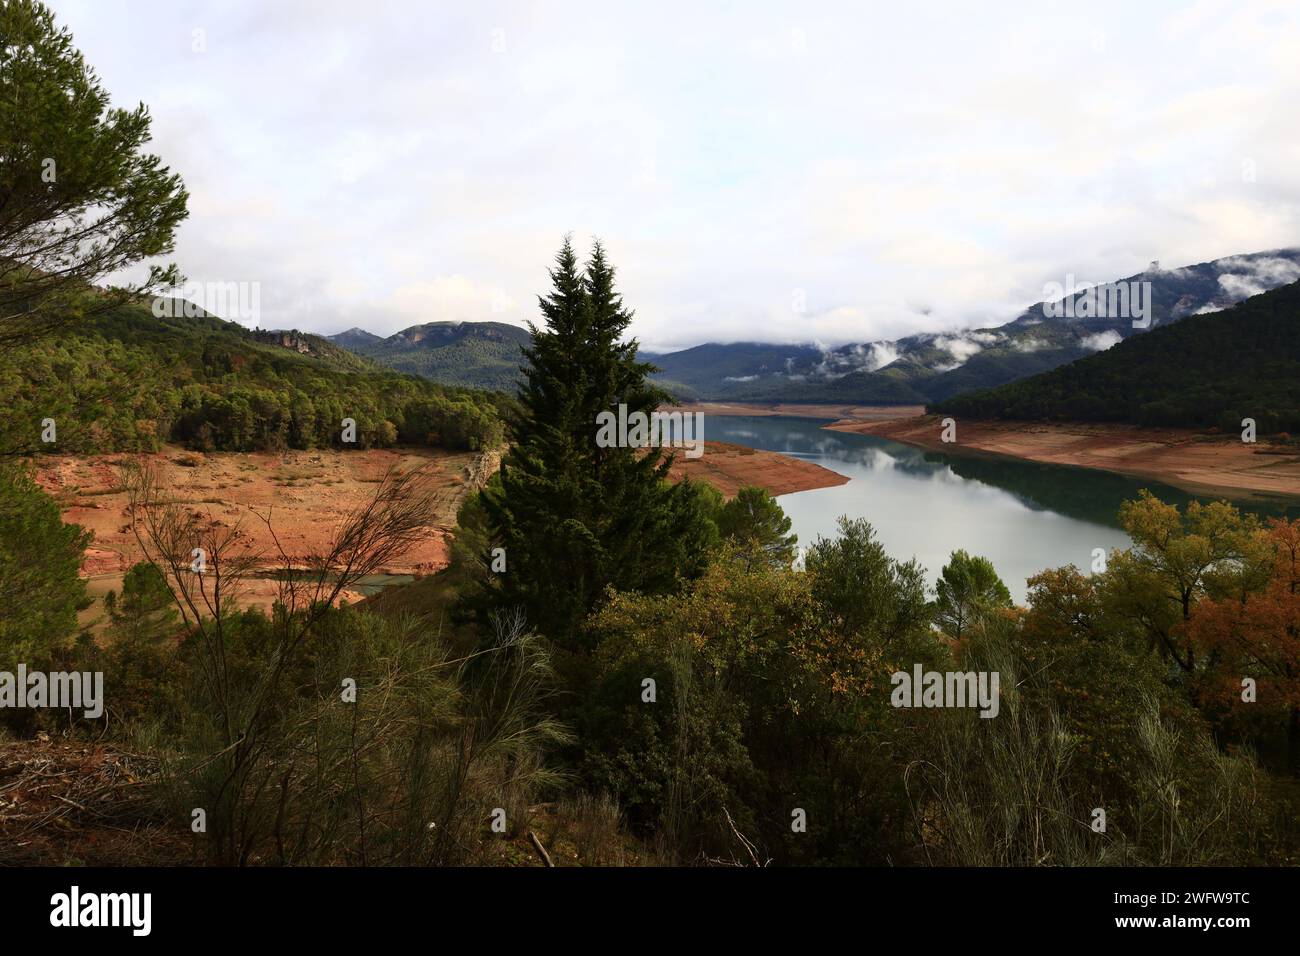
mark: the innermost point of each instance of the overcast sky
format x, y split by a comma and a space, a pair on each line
821, 172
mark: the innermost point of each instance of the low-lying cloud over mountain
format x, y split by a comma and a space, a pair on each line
940, 364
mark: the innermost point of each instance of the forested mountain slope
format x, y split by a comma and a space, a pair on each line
128, 381
1208, 370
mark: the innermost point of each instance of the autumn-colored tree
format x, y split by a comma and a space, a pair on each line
1256, 635
1178, 558
1088, 669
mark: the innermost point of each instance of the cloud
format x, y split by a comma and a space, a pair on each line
878, 355
1101, 341
414, 161
449, 298
962, 347
1257, 275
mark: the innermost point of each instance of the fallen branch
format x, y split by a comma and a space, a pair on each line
541, 850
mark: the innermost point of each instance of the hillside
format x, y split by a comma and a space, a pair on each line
475, 354
936, 366
1208, 370
355, 338
130, 381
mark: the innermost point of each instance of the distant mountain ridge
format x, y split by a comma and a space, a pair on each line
1210, 370
354, 338
920, 368
933, 366
475, 354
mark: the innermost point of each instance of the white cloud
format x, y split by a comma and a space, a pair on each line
384, 165
1101, 341
1029, 344
1257, 275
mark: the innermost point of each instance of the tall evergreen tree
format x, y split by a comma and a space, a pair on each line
575, 518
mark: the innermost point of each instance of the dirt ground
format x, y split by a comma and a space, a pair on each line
731, 467
859, 413
73, 803
1199, 463
307, 495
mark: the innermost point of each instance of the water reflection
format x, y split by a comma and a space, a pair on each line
1023, 516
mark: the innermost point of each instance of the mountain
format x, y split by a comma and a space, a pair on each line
315, 346
935, 366
355, 338
476, 354
1209, 370
128, 380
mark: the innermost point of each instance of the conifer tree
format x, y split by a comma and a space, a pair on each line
80, 199
575, 518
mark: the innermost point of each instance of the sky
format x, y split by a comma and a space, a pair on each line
779, 172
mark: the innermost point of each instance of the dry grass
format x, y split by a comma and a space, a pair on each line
69, 802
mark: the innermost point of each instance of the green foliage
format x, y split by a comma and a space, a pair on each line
575, 518
140, 647
762, 703
1205, 371
758, 527
40, 558
1178, 558
880, 600
969, 593
81, 200
1095, 672
128, 381
452, 423
1012, 791
403, 772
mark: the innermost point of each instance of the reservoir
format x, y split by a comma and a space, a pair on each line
1021, 515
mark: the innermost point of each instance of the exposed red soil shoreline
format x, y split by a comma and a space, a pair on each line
306, 494
833, 412
731, 467
1196, 462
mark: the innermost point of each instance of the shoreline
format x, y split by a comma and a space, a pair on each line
1202, 464
309, 493
832, 412
731, 467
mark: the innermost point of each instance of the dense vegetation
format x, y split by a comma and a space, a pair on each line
650, 664
575, 518
128, 381
40, 592
1207, 371
636, 671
